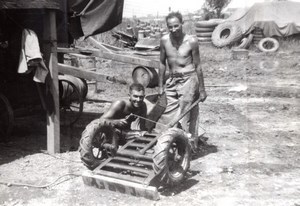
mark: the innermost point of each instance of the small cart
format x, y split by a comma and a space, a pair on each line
146, 161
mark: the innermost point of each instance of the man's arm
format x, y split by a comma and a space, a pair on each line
162, 67
115, 114
197, 63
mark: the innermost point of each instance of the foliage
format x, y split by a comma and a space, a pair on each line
214, 7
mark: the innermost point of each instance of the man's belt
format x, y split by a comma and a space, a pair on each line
181, 74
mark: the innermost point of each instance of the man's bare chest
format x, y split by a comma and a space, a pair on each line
177, 51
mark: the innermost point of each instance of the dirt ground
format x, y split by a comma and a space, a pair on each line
252, 156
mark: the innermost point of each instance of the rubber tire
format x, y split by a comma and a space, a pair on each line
93, 130
265, 40
204, 29
235, 34
257, 31
10, 118
258, 36
204, 34
245, 43
204, 39
161, 157
212, 23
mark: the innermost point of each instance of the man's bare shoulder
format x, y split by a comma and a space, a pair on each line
118, 104
192, 40
165, 38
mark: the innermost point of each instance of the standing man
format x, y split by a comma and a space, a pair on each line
185, 84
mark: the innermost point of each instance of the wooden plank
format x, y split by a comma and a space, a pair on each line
120, 176
113, 48
128, 167
133, 161
120, 186
130, 59
140, 145
87, 74
97, 44
134, 154
149, 145
77, 72
31, 4
50, 54
144, 139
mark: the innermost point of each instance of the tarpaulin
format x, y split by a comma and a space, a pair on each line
91, 17
274, 18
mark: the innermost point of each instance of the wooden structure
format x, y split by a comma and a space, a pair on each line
50, 7
130, 171
50, 50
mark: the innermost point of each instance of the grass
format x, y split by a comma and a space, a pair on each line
290, 44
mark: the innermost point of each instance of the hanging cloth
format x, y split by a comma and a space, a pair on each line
30, 52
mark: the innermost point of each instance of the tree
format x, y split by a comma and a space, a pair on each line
216, 6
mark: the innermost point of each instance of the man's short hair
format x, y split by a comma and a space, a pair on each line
176, 14
137, 87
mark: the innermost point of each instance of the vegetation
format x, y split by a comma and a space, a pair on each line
213, 8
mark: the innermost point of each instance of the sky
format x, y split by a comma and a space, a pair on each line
161, 7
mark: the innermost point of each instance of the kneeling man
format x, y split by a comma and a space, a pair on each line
122, 112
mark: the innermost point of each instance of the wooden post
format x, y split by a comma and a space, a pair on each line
50, 54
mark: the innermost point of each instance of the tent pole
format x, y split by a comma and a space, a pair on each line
50, 54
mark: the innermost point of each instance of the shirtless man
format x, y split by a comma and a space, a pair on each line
185, 84
120, 111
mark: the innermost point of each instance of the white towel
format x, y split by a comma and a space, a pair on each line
31, 50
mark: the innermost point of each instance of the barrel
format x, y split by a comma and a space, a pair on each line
147, 32
147, 76
65, 90
141, 34
240, 54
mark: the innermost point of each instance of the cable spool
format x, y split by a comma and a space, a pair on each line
80, 85
147, 76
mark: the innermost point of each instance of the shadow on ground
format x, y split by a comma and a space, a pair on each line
29, 136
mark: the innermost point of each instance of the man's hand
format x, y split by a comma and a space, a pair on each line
120, 123
202, 95
160, 91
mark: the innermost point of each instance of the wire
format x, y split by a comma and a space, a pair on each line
40, 186
47, 153
156, 122
149, 120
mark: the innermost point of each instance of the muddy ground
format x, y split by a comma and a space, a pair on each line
252, 155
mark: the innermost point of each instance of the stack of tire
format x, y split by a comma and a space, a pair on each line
226, 34
257, 35
204, 30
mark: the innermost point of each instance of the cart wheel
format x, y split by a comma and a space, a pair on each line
98, 141
71, 103
171, 158
6, 118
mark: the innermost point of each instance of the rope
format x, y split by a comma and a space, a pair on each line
40, 186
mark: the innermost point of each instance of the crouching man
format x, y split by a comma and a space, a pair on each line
124, 114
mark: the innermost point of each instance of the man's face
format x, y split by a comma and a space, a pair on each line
136, 98
174, 26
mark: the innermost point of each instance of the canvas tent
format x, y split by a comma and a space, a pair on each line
280, 18
92, 17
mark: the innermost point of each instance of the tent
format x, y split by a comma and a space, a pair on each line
281, 18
